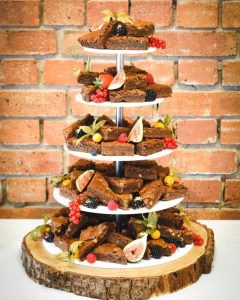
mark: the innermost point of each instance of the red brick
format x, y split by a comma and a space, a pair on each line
95, 7
18, 12
231, 14
53, 132
197, 131
198, 43
230, 132
16, 42
206, 161
157, 11
63, 12
198, 72
18, 71
31, 162
231, 73
29, 103
197, 14
100, 65
19, 132
26, 189
71, 46
203, 190
189, 104
232, 192
61, 72
162, 71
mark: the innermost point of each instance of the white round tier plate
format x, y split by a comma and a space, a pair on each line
117, 158
79, 99
110, 51
101, 209
180, 252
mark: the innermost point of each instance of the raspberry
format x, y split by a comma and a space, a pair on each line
150, 79
198, 240
112, 205
169, 143
183, 228
156, 42
91, 258
123, 138
174, 247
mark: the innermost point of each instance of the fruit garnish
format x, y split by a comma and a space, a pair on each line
90, 130
94, 152
83, 180
136, 134
159, 125
156, 252
169, 180
155, 235
150, 223
41, 230
88, 68
49, 236
120, 16
97, 137
91, 203
134, 251
91, 258
156, 42
72, 254
120, 30
151, 95
74, 209
182, 214
137, 202
169, 143
103, 81
150, 79
66, 182
79, 133
99, 96
112, 205
55, 180
174, 247
198, 240
118, 80
123, 138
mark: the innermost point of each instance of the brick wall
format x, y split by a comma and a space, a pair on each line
39, 50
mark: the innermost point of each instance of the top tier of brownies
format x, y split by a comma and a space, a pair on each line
114, 34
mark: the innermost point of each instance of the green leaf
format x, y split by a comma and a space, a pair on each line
97, 126
47, 218
97, 82
82, 138
74, 246
35, 233
76, 72
123, 17
86, 129
55, 180
108, 15
150, 231
167, 120
64, 256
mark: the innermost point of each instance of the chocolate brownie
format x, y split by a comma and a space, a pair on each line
165, 248
135, 81
69, 131
64, 211
134, 228
87, 78
127, 43
59, 224
174, 191
82, 165
97, 39
125, 185
156, 133
161, 90
86, 145
106, 169
87, 91
99, 188
130, 171
119, 239
108, 121
169, 219
172, 234
99, 232
67, 192
135, 95
112, 133
151, 192
117, 149
63, 242
110, 253
162, 172
127, 69
140, 28
148, 147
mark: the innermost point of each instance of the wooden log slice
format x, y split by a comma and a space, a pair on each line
123, 284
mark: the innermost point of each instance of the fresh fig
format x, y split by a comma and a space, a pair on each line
136, 134
118, 80
84, 179
134, 251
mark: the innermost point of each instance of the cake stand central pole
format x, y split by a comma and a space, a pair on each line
119, 118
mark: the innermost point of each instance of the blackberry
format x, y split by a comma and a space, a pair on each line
49, 236
137, 203
94, 152
156, 252
91, 203
79, 133
181, 244
120, 30
150, 95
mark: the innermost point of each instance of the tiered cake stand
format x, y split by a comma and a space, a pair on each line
112, 281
